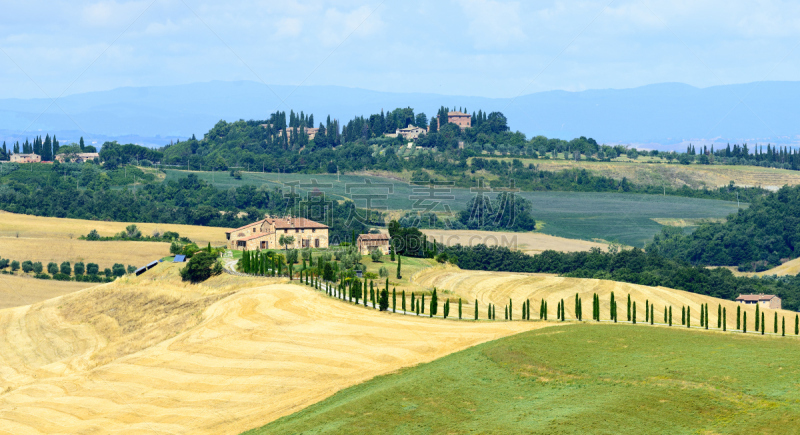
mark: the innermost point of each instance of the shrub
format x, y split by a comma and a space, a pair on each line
52, 268
383, 272
376, 255
61, 277
93, 235
202, 266
107, 272
131, 268
27, 266
79, 268
15, 265
37, 267
118, 269
66, 268
92, 269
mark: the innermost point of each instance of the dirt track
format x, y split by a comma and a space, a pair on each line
145, 356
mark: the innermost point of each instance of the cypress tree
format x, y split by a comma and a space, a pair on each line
577, 307
775, 322
738, 317
489, 308
383, 302
505, 312
629, 308
413, 303
476, 309
444, 309
613, 307
545, 310
670, 315
783, 326
708, 319
404, 301
459, 308
724, 319
651, 314
417, 308
797, 324
719, 316
757, 319
665, 314
744, 322
434, 303
394, 300
646, 310
688, 317
528, 310
422, 307
634, 312
763, 325
541, 310
510, 305
399, 260
702, 315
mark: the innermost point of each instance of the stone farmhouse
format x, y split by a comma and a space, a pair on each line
266, 233
461, 119
26, 158
77, 157
768, 301
367, 243
409, 133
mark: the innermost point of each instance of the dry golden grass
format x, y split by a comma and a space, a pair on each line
154, 355
498, 287
13, 225
530, 243
680, 175
105, 254
16, 291
791, 267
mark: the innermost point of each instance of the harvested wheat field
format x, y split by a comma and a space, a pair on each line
791, 267
675, 175
530, 243
498, 287
16, 291
21, 225
154, 355
105, 254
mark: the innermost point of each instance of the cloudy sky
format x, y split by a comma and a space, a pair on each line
458, 47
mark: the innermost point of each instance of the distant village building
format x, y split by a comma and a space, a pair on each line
26, 158
310, 131
770, 301
367, 243
411, 132
77, 157
266, 234
461, 119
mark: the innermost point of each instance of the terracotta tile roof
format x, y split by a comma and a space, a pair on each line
295, 223
458, 114
373, 236
254, 236
756, 298
246, 226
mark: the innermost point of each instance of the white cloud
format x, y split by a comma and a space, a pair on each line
361, 22
493, 24
288, 27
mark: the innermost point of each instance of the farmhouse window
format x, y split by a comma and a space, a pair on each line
316, 243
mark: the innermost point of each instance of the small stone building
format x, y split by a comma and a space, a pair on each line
367, 243
26, 158
768, 301
266, 234
77, 157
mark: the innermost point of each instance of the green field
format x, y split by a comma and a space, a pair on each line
599, 379
616, 217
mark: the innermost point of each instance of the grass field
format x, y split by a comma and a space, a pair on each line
578, 379
530, 243
675, 175
613, 217
498, 287
105, 254
154, 355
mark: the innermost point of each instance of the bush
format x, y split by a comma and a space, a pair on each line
93, 235
107, 273
131, 268
27, 266
37, 267
79, 268
14, 266
42, 276
92, 269
61, 277
66, 268
52, 268
118, 269
202, 266
376, 255
383, 272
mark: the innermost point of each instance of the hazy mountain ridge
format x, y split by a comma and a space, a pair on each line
660, 115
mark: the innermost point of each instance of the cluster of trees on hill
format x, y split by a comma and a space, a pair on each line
86, 191
65, 271
757, 238
634, 266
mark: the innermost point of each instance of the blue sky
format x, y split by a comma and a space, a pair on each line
457, 47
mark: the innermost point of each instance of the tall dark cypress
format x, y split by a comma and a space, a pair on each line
634, 312
758, 326
738, 317
783, 326
775, 322
763, 326
719, 316
629, 308
724, 319
670, 315
688, 317
744, 322
541, 310
797, 324
476, 309
651, 314
647, 310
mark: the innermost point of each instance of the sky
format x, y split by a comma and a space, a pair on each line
486, 48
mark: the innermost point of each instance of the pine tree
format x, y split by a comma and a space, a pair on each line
434, 303
665, 314
577, 307
413, 303
489, 308
383, 302
744, 322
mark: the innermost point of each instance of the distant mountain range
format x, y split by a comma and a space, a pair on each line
662, 116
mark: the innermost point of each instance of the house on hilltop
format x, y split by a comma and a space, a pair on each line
367, 243
266, 234
25, 158
461, 119
769, 301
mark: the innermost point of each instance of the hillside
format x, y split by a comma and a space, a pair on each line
498, 287
154, 355
577, 379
